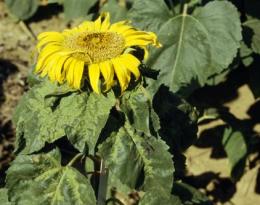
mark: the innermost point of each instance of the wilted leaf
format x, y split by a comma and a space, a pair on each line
117, 150
236, 149
48, 112
146, 153
40, 179
22, 9
77, 8
137, 106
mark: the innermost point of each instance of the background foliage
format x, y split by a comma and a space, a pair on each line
63, 137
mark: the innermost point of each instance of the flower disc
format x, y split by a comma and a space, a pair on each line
99, 47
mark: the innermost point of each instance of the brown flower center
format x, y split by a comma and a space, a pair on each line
95, 47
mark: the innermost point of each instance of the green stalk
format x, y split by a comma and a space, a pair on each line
74, 159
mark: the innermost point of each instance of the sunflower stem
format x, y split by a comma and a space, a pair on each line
183, 7
74, 159
27, 30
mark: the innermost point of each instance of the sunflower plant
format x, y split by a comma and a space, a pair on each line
106, 119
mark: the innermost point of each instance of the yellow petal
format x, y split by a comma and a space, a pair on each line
142, 39
70, 72
78, 73
97, 24
49, 64
56, 40
108, 73
121, 73
59, 67
57, 63
128, 32
66, 67
45, 53
86, 26
94, 74
131, 63
120, 26
106, 22
49, 34
146, 53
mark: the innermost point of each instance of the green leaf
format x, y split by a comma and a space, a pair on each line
189, 195
246, 54
117, 150
48, 112
55, 1
4, 197
137, 106
254, 24
156, 196
236, 149
88, 126
22, 9
77, 8
40, 179
146, 153
194, 48
149, 15
118, 12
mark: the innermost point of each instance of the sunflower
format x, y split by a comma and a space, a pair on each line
98, 49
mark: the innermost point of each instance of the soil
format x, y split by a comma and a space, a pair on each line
17, 51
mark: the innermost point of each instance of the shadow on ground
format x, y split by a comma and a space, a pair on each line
6, 129
218, 188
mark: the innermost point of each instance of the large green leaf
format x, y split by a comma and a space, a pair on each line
118, 12
146, 153
22, 9
48, 112
137, 105
149, 15
117, 150
194, 48
77, 8
254, 24
4, 197
156, 196
236, 149
41, 180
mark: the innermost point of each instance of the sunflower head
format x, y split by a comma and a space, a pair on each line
96, 50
